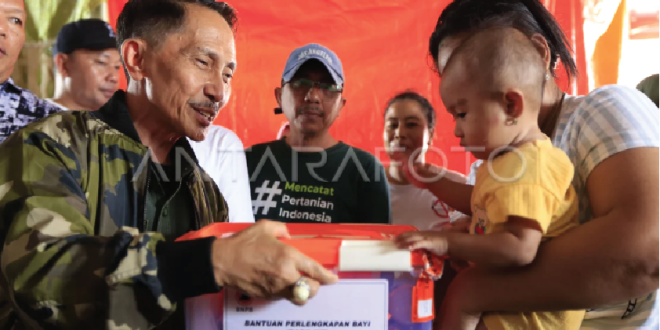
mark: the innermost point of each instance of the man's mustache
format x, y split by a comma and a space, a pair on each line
307, 109
205, 104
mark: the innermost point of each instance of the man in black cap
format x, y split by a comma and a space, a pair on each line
87, 65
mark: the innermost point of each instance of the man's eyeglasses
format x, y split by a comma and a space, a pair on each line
304, 85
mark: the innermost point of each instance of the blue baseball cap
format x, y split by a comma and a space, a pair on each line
314, 52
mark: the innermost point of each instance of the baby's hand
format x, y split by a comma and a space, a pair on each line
433, 241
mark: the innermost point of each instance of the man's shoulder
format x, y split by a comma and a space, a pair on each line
54, 126
52, 102
221, 133
255, 153
218, 138
65, 128
69, 139
31, 102
364, 156
259, 148
20, 107
362, 163
265, 145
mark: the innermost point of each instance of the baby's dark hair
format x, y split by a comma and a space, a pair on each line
424, 103
496, 59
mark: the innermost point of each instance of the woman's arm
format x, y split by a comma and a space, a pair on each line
610, 259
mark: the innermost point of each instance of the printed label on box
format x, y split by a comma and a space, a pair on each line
348, 304
425, 308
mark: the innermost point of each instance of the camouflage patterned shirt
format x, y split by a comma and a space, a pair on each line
75, 255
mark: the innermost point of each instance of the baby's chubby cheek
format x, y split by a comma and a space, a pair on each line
494, 121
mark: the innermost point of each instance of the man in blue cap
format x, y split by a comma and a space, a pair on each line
311, 177
87, 65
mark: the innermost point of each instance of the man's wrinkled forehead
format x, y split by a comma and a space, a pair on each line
16, 7
314, 70
204, 31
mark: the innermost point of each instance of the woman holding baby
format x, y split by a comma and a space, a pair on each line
592, 228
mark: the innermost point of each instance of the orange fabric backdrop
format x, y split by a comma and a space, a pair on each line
607, 53
383, 48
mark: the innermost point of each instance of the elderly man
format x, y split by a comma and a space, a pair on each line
91, 201
18, 106
310, 176
87, 65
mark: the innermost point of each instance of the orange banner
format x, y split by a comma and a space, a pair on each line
383, 46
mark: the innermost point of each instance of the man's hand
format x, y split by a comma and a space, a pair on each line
433, 241
256, 262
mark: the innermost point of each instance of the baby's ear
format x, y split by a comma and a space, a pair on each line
514, 103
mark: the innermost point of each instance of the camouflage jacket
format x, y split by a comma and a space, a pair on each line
72, 190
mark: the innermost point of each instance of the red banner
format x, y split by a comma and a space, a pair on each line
383, 46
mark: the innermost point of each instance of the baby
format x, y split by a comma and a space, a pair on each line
492, 86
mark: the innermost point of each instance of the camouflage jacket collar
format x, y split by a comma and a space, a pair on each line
115, 113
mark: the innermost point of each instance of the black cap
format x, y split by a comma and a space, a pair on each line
92, 34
